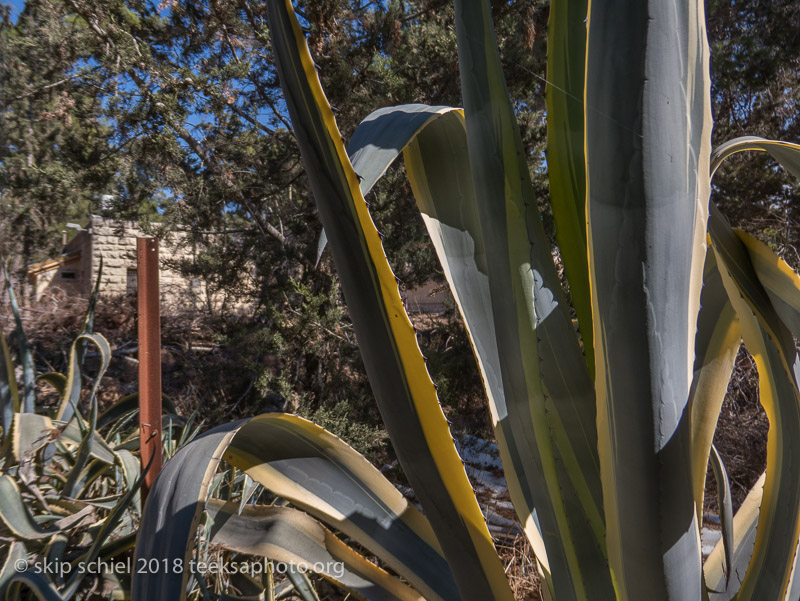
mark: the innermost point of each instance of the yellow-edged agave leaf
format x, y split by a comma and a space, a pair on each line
72, 387
780, 281
14, 581
716, 346
71, 392
403, 389
9, 396
434, 144
437, 165
11, 562
15, 515
296, 539
36, 582
566, 62
647, 114
299, 461
57, 380
786, 153
545, 378
306, 465
173, 511
745, 523
770, 342
29, 433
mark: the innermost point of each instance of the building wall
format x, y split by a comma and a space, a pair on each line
115, 242
66, 277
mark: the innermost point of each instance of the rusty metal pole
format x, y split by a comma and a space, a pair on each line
149, 358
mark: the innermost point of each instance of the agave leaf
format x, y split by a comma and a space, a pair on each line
72, 388
126, 406
16, 555
780, 281
726, 509
15, 515
566, 58
249, 488
108, 527
87, 326
29, 433
434, 145
648, 143
320, 474
786, 153
28, 400
717, 343
9, 395
37, 582
771, 344
292, 537
313, 469
302, 584
54, 552
745, 524
56, 380
400, 381
84, 452
118, 410
130, 466
71, 436
545, 376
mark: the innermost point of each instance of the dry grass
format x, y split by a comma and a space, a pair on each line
741, 436
517, 557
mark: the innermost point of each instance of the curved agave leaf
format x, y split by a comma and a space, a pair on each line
780, 282
56, 380
16, 553
648, 143
544, 373
403, 389
302, 463
434, 145
294, 459
15, 515
72, 387
37, 582
717, 343
292, 537
771, 344
786, 153
745, 523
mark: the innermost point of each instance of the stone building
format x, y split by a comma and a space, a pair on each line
75, 271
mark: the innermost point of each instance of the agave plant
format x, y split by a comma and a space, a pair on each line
604, 398
69, 481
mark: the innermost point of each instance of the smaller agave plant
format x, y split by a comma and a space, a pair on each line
604, 422
69, 481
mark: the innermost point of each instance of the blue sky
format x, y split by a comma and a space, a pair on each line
16, 6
